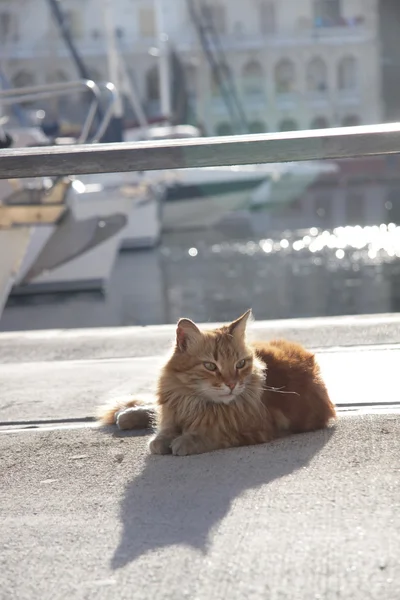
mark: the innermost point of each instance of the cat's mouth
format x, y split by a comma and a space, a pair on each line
223, 396
226, 399
231, 395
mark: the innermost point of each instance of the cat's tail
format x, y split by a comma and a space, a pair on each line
128, 413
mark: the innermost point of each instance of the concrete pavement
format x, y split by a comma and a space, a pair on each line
87, 513
90, 515
74, 388
120, 342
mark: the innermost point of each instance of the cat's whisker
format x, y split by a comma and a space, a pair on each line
279, 390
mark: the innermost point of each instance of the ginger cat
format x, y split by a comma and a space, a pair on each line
218, 391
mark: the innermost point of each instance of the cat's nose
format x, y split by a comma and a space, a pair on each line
231, 385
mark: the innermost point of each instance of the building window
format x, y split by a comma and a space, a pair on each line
73, 22
23, 79
257, 127
319, 123
284, 76
57, 77
214, 16
347, 74
8, 27
303, 24
317, 76
350, 121
327, 12
223, 128
152, 85
58, 104
5, 26
191, 80
238, 28
147, 22
288, 125
253, 79
267, 18
355, 209
224, 75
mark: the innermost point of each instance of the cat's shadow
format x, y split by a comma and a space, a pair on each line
178, 500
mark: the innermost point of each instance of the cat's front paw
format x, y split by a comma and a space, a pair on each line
185, 445
160, 445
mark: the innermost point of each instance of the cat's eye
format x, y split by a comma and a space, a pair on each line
210, 366
240, 364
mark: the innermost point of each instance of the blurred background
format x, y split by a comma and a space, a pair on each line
291, 240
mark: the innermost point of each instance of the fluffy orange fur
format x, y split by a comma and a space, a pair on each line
217, 390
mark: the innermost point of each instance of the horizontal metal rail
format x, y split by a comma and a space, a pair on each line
320, 144
47, 90
52, 90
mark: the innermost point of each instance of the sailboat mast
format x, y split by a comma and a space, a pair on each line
163, 60
113, 66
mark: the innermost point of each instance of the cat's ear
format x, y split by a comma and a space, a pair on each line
238, 327
186, 332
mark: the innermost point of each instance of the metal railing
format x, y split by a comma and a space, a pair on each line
52, 90
346, 142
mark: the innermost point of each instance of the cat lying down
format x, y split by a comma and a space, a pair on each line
217, 390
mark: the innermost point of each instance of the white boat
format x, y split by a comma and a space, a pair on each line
56, 246
54, 238
141, 203
79, 252
199, 198
13, 244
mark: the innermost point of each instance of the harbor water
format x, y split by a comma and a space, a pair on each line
215, 275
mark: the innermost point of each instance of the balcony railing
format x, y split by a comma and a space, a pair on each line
217, 106
287, 100
318, 98
348, 97
188, 42
253, 40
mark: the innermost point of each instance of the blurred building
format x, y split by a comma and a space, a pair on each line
295, 64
